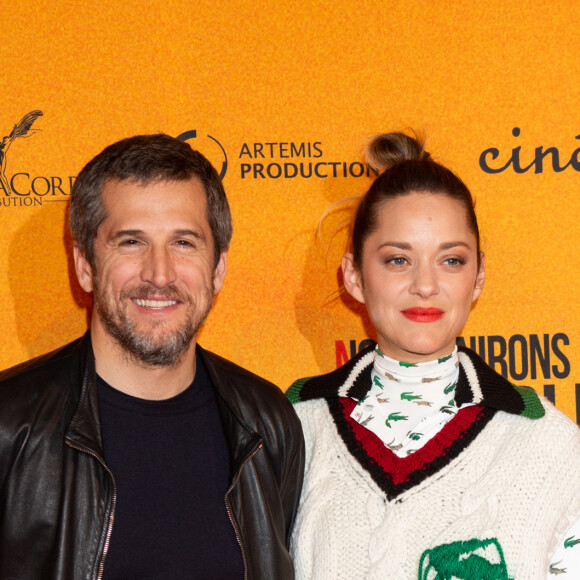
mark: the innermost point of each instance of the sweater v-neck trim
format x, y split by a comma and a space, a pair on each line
478, 384
396, 475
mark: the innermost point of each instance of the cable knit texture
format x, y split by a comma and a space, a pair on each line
494, 491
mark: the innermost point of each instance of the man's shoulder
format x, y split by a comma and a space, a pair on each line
226, 370
238, 384
42, 370
40, 392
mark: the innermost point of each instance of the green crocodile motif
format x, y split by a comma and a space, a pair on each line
396, 416
408, 396
407, 365
449, 388
377, 382
571, 542
470, 560
415, 436
443, 359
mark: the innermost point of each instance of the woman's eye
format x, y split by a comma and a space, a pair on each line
454, 261
397, 261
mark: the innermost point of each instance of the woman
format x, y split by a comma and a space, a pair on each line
423, 462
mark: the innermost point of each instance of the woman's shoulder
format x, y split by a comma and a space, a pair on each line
352, 379
558, 422
554, 436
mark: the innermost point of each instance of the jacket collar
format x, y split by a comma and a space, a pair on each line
478, 384
84, 430
241, 438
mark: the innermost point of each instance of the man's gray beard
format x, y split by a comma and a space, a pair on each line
169, 348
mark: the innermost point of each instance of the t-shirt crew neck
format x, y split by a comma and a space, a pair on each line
170, 461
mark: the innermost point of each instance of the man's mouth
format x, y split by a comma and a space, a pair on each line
156, 304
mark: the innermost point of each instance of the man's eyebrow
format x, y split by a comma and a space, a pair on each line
193, 233
136, 233
126, 234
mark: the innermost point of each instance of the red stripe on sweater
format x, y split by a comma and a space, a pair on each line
401, 468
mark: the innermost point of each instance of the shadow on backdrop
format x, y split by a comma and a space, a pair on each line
325, 312
51, 308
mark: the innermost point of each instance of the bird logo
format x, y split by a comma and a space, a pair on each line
23, 129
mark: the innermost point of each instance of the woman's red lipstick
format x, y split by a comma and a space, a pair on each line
423, 314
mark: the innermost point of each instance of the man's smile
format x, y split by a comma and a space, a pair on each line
156, 304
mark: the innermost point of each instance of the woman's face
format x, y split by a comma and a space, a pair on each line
419, 276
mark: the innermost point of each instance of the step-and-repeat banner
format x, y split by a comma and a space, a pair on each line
282, 97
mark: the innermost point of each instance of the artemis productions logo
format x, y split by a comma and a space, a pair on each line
212, 149
290, 159
20, 188
277, 159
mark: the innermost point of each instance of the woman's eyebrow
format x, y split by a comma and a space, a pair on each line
449, 245
400, 245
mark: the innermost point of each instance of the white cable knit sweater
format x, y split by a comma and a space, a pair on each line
488, 500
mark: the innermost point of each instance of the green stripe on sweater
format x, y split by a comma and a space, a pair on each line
293, 393
533, 408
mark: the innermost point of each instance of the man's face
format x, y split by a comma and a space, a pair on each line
154, 278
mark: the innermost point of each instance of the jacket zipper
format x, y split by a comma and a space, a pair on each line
230, 514
113, 505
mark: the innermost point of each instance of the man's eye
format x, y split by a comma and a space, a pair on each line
184, 243
130, 242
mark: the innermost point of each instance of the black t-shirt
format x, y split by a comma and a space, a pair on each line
170, 462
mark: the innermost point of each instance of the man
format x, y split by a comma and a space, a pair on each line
132, 452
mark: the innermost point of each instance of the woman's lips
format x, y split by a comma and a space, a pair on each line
423, 314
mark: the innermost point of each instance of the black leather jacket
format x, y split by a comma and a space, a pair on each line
57, 495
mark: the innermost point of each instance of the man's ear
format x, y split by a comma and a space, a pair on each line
83, 269
352, 278
219, 273
480, 278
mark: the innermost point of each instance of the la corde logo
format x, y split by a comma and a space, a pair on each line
19, 187
21, 130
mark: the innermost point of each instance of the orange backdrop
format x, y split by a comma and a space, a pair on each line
282, 98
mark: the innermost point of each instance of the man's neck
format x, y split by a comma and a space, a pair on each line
133, 377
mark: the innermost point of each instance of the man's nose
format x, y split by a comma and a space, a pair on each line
158, 267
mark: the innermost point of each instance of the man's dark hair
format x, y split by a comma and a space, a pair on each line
145, 159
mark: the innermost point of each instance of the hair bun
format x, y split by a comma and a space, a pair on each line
390, 149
